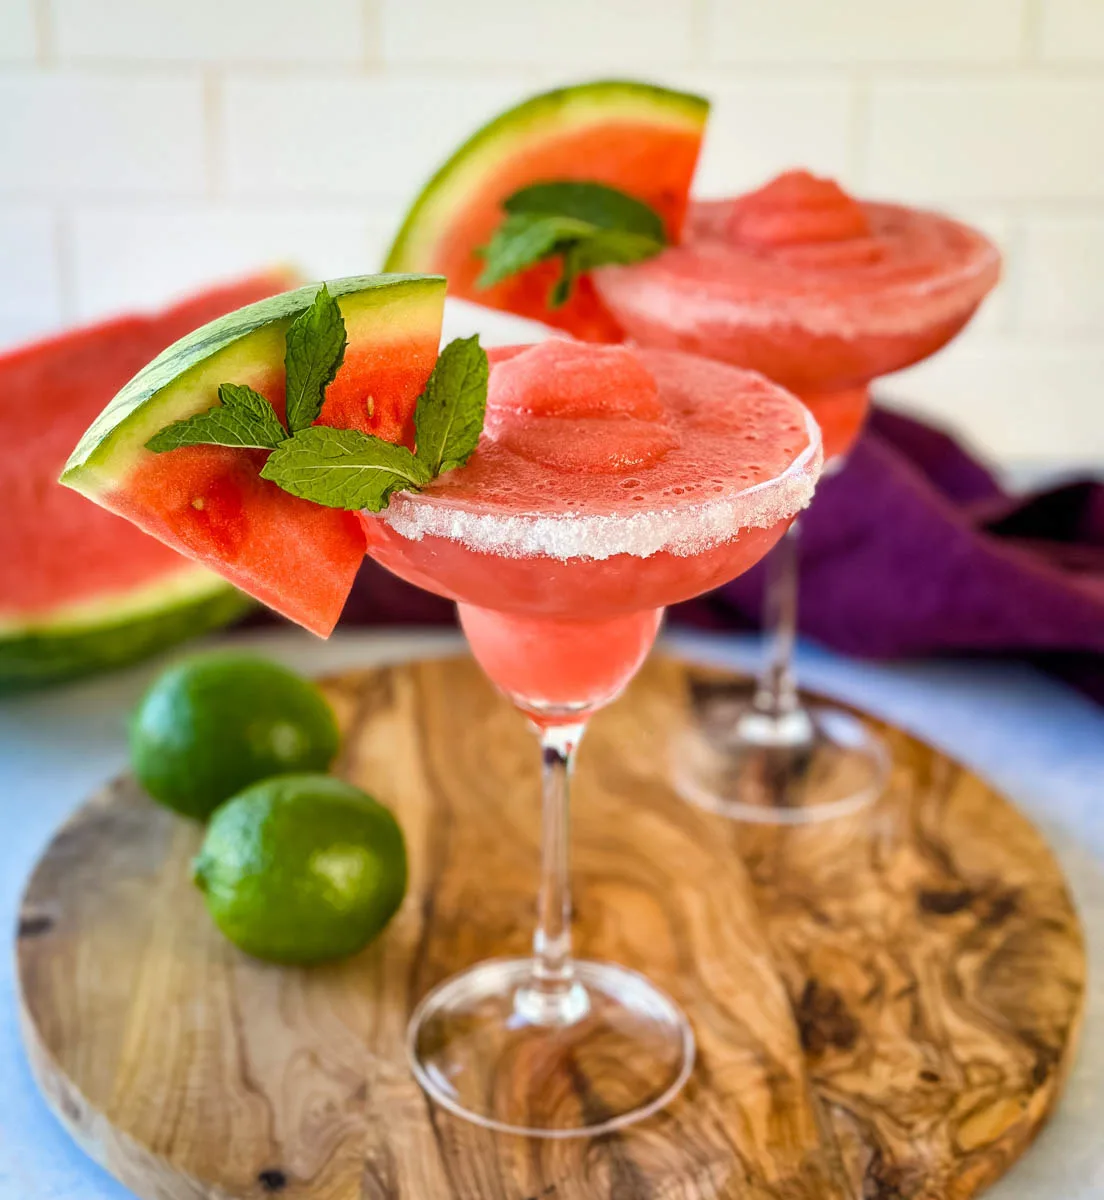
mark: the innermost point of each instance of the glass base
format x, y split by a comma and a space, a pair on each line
608, 1050
813, 764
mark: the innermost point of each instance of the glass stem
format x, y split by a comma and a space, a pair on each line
553, 996
776, 693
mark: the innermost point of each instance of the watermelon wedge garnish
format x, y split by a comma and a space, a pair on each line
210, 502
81, 590
640, 139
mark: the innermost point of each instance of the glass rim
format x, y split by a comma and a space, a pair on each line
684, 529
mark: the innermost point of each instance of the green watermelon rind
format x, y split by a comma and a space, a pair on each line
548, 113
115, 632
183, 379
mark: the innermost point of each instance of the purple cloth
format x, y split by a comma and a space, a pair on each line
912, 549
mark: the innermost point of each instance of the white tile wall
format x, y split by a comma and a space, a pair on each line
17, 31
220, 31
1073, 31
1015, 399
761, 127
113, 247
30, 298
865, 31
363, 138
1062, 281
1013, 139
74, 134
575, 33
147, 146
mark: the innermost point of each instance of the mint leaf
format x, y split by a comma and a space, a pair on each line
585, 224
314, 353
594, 203
604, 246
343, 468
449, 417
527, 238
245, 419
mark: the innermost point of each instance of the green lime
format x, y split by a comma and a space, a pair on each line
215, 723
302, 868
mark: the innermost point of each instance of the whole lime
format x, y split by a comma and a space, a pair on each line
215, 723
302, 868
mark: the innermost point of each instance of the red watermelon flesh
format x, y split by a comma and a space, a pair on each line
398, 371
56, 549
211, 502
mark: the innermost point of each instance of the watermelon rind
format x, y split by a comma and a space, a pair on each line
547, 114
114, 630
184, 378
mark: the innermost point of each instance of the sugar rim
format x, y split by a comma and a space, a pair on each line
683, 530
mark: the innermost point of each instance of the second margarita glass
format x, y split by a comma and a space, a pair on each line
822, 293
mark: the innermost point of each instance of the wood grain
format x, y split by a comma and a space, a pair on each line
885, 1007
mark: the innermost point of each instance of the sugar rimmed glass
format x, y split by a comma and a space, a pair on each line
560, 607
823, 318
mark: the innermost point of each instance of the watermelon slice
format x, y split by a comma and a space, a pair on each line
638, 138
209, 501
81, 590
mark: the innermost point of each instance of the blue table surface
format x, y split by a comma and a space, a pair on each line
1038, 741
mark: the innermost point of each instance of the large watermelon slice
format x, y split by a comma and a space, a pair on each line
209, 501
638, 138
81, 590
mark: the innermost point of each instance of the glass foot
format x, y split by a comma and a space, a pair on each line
613, 1049
813, 764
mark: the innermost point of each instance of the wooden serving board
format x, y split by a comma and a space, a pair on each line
885, 1006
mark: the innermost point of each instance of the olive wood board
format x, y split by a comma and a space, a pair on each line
885, 1005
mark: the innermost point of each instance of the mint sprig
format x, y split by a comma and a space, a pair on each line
313, 355
527, 238
245, 420
449, 417
586, 225
343, 468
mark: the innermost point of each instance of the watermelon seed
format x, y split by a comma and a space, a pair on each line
199, 503
370, 404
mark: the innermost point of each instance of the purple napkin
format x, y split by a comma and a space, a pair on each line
913, 549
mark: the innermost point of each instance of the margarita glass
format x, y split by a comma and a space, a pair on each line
608, 483
822, 293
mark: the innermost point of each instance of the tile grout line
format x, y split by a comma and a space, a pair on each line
1080, 208
213, 134
699, 32
371, 35
64, 265
44, 34
1012, 321
1031, 33
883, 73
858, 128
